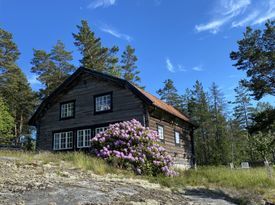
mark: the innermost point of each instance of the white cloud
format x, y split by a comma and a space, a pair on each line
101, 3
169, 66
33, 80
228, 9
197, 68
212, 26
246, 20
115, 33
270, 14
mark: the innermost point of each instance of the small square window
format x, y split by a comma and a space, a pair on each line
161, 132
177, 138
103, 103
67, 110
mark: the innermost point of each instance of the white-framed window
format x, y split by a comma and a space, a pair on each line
160, 132
100, 129
103, 103
63, 140
67, 110
177, 138
84, 138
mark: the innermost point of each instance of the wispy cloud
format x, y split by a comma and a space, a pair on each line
197, 68
169, 66
270, 14
227, 10
101, 3
112, 31
246, 20
239, 13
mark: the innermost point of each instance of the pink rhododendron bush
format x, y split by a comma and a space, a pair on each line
130, 145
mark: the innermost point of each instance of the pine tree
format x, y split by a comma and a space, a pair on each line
14, 87
95, 56
169, 94
217, 109
255, 55
52, 68
8, 50
128, 65
243, 106
199, 111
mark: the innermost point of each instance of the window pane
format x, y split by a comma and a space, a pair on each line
103, 103
67, 110
177, 137
83, 138
160, 132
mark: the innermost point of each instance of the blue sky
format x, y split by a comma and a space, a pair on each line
182, 40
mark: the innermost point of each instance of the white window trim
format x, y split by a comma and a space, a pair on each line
83, 138
99, 103
161, 137
177, 133
100, 129
65, 112
58, 134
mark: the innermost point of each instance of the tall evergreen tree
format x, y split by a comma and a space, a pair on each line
9, 52
243, 106
128, 65
199, 110
170, 95
217, 109
95, 56
256, 56
14, 87
52, 68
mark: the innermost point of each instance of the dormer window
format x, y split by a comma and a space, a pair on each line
103, 103
67, 110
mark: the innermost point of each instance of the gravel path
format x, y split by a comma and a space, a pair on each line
50, 184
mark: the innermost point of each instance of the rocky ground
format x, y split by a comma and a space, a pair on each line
51, 184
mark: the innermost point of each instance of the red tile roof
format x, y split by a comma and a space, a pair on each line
164, 106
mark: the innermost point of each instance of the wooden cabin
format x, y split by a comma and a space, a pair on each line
88, 101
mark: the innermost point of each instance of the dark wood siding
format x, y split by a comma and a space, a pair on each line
182, 152
126, 106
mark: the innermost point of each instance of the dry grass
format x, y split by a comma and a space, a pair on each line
254, 180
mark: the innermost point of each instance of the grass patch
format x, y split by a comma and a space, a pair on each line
254, 180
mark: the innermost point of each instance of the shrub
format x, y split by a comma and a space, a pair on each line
130, 145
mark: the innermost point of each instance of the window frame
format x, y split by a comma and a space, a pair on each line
111, 101
159, 125
60, 140
102, 127
60, 110
175, 139
83, 138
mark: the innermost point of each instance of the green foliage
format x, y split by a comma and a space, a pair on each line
52, 68
95, 56
256, 56
6, 121
263, 118
169, 94
8, 50
263, 144
128, 65
14, 87
243, 106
